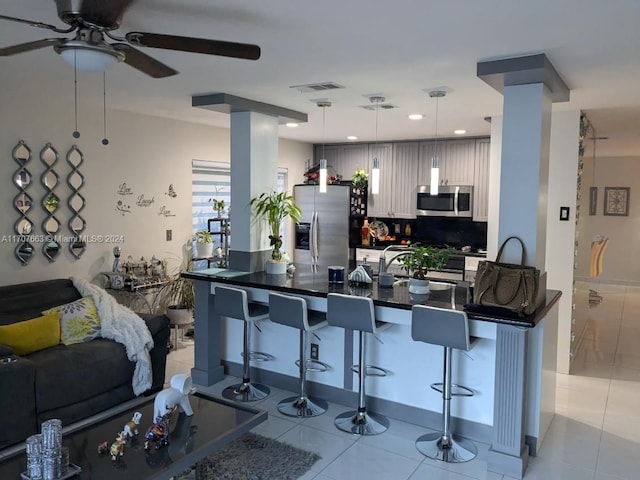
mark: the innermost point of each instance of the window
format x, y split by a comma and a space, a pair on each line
213, 180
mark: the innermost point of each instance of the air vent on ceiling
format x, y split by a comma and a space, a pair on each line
317, 87
381, 106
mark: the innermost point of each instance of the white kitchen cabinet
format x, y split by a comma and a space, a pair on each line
405, 161
344, 159
481, 181
455, 161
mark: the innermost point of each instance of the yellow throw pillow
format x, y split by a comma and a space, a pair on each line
32, 335
79, 321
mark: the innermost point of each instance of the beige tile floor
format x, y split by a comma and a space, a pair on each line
595, 434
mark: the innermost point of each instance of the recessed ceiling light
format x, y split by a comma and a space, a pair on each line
416, 116
352, 137
460, 131
291, 125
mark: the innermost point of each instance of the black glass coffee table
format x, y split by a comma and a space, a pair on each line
215, 422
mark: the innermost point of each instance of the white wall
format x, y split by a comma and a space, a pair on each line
622, 256
148, 153
563, 174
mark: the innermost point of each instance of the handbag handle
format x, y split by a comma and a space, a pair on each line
504, 244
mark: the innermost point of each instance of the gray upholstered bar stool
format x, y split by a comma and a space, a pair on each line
450, 329
357, 313
293, 312
233, 303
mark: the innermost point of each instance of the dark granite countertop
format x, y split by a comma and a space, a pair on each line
307, 282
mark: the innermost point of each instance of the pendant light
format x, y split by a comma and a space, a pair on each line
435, 170
323, 162
375, 171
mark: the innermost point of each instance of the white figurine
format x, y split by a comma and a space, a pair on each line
177, 394
131, 428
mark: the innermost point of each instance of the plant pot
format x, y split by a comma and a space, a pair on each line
204, 250
179, 316
273, 267
418, 286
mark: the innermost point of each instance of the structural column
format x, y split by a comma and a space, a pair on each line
530, 84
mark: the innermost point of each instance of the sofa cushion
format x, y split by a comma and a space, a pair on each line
26, 300
79, 321
31, 335
69, 374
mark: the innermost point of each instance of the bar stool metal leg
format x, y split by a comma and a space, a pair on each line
303, 405
361, 422
445, 446
246, 391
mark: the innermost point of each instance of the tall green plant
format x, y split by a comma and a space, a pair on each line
274, 207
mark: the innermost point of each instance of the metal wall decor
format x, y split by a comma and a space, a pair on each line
50, 203
76, 202
21, 153
593, 200
616, 201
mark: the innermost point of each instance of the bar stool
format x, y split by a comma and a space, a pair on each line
233, 303
450, 329
293, 312
357, 313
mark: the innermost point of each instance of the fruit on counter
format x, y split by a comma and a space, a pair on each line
403, 242
408, 242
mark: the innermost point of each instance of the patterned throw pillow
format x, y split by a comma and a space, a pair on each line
79, 321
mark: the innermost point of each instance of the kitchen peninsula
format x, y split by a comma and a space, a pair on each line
511, 367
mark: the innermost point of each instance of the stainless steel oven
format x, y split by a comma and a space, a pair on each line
451, 201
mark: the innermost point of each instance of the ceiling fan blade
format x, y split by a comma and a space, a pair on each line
195, 45
104, 13
37, 24
143, 62
26, 47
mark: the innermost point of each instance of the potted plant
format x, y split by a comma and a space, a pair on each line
218, 206
274, 207
418, 260
204, 244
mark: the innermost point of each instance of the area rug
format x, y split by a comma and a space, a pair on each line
254, 457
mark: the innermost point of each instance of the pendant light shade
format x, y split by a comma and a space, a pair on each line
322, 178
375, 177
435, 170
375, 171
323, 175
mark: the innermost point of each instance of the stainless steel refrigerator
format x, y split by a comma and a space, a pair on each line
322, 237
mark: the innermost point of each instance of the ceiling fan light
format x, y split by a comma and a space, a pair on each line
90, 59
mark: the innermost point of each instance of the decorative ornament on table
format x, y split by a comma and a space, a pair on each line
158, 432
117, 447
131, 428
177, 395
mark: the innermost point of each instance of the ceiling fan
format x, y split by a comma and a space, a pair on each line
94, 20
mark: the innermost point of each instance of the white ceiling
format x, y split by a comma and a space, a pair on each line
397, 49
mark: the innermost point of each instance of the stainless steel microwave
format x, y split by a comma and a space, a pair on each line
451, 201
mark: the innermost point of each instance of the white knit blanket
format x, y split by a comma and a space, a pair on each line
121, 324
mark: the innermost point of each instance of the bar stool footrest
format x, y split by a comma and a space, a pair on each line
455, 449
371, 370
259, 356
456, 390
321, 366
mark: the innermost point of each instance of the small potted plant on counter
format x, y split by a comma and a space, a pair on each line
418, 260
275, 207
218, 206
204, 244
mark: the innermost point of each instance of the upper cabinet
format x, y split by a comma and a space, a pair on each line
481, 181
405, 165
456, 161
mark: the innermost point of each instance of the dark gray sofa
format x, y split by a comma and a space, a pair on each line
66, 382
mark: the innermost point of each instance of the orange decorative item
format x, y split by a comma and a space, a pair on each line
365, 232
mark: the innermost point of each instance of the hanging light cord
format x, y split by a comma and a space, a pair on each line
105, 140
324, 111
76, 133
377, 108
435, 145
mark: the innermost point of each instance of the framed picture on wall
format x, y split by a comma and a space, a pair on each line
616, 201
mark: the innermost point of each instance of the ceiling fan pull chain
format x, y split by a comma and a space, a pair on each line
76, 133
105, 140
